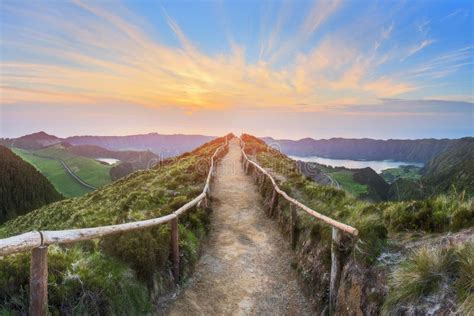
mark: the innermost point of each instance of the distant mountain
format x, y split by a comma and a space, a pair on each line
451, 170
31, 141
165, 145
419, 150
22, 187
160, 144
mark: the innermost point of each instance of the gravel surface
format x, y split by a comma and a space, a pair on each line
245, 268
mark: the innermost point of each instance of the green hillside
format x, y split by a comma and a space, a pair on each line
403, 172
450, 172
89, 170
380, 225
46, 161
452, 169
22, 187
55, 173
119, 274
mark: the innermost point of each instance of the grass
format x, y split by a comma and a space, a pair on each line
420, 275
404, 172
345, 180
465, 283
55, 173
375, 221
89, 170
117, 274
425, 271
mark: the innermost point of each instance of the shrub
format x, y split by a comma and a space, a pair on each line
420, 275
465, 282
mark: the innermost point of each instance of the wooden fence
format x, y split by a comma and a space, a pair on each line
338, 228
38, 242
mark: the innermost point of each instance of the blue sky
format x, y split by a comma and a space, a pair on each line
381, 69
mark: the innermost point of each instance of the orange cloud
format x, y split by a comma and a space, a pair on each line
108, 57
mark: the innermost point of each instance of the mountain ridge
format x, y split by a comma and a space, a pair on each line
417, 150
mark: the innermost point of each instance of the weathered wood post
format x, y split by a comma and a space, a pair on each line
336, 267
39, 281
294, 219
175, 248
262, 182
273, 202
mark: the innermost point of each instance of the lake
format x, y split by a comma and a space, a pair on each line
377, 165
109, 161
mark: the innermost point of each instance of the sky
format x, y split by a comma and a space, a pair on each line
287, 69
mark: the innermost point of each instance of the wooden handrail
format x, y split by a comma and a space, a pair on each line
337, 237
38, 242
30, 240
348, 229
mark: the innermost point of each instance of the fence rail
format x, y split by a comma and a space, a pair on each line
337, 227
38, 242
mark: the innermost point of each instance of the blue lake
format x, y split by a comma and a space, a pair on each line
377, 165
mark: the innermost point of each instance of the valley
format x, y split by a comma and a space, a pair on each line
50, 161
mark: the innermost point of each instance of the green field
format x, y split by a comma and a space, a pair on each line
405, 172
89, 170
345, 180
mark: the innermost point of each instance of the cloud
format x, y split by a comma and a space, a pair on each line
319, 13
452, 15
417, 48
104, 55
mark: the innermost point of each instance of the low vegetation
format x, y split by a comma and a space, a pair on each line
123, 273
55, 173
403, 172
91, 171
47, 161
426, 271
377, 223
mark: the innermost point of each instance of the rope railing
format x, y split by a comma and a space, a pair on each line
337, 227
38, 242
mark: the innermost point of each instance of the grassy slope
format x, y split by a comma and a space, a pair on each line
54, 171
377, 222
89, 170
409, 172
119, 273
346, 181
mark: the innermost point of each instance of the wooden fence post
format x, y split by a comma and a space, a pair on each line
39, 281
175, 248
336, 267
293, 224
273, 203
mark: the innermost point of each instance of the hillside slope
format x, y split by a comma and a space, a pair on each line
57, 164
454, 167
123, 273
429, 279
419, 150
22, 187
451, 171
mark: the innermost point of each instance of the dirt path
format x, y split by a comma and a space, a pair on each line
245, 268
